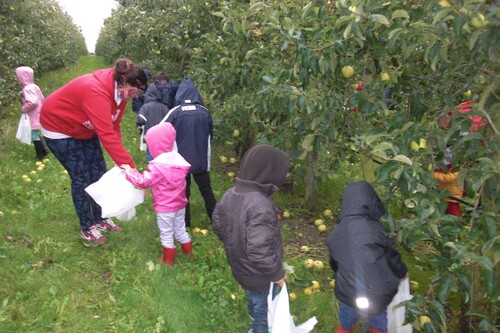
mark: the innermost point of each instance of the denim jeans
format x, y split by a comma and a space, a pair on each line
84, 161
257, 308
348, 317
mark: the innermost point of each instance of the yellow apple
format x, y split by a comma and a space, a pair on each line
304, 248
318, 264
430, 167
423, 143
414, 284
322, 228
286, 214
414, 146
236, 133
384, 76
315, 285
300, 235
308, 291
197, 229
233, 297
332, 283
292, 296
223, 159
467, 93
232, 160
444, 3
231, 174
348, 72
423, 320
477, 21
204, 232
319, 222
309, 263
328, 213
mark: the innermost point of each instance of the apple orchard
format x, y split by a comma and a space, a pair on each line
290, 73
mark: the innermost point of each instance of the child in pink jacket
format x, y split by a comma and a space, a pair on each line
32, 104
166, 176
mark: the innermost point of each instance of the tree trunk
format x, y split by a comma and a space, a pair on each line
311, 201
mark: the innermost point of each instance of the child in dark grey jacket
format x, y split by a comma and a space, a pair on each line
246, 221
368, 267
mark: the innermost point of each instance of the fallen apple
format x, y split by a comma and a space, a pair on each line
232, 160
286, 214
304, 248
309, 263
231, 174
315, 285
223, 159
204, 232
308, 290
292, 296
318, 264
328, 213
332, 283
322, 228
318, 222
422, 320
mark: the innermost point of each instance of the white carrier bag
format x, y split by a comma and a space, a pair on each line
116, 195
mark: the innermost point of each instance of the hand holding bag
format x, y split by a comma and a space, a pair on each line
116, 195
278, 315
23, 133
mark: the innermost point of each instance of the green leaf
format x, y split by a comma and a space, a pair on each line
403, 159
380, 19
308, 141
400, 13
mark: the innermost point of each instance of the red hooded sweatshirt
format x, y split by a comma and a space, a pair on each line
86, 106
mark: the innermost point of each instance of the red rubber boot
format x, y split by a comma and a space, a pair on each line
168, 256
187, 249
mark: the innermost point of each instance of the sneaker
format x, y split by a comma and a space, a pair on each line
107, 225
93, 235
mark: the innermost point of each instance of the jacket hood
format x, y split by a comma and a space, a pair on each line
152, 94
264, 164
25, 75
160, 139
360, 199
187, 93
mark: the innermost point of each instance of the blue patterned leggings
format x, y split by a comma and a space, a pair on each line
84, 161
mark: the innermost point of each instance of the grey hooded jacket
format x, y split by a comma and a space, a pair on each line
246, 219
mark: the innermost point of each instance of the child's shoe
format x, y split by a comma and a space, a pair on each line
107, 225
93, 235
168, 256
187, 249
340, 329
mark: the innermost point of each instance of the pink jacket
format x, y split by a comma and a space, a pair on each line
166, 174
32, 95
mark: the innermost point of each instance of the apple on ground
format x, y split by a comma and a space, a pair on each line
309, 263
308, 290
204, 232
318, 264
332, 283
318, 222
223, 159
304, 248
286, 213
322, 228
293, 296
232, 160
315, 285
423, 320
328, 213
231, 174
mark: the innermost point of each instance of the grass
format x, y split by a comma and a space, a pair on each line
53, 282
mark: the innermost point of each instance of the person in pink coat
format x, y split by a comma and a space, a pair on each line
32, 104
166, 176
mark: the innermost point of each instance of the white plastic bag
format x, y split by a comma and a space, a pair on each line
278, 315
395, 313
23, 133
116, 195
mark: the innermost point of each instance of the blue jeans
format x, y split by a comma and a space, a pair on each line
84, 161
348, 317
257, 308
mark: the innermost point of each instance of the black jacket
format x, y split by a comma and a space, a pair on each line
153, 111
246, 219
194, 127
168, 92
364, 258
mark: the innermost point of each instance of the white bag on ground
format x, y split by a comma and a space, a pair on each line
279, 318
395, 314
116, 195
23, 133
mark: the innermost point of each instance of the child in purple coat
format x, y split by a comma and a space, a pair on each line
166, 176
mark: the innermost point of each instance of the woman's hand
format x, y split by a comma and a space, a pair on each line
125, 167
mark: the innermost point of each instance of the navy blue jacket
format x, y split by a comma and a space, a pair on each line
168, 91
364, 258
194, 126
153, 110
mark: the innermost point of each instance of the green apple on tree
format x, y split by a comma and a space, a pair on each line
348, 71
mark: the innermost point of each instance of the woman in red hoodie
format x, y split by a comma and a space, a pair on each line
80, 117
